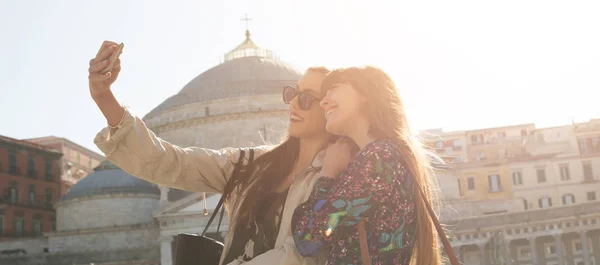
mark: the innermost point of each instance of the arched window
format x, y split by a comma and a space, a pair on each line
545, 202
568, 199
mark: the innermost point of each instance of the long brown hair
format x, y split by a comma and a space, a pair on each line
267, 173
388, 120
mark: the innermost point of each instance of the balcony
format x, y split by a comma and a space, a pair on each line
32, 174
496, 189
38, 204
12, 233
14, 170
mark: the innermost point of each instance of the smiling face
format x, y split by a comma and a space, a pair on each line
308, 122
344, 110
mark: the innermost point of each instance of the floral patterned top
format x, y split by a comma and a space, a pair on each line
375, 187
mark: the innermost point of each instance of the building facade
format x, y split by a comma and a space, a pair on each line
29, 187
77, 161
527, 196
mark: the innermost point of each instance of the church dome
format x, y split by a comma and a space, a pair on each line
109, 179
248, 70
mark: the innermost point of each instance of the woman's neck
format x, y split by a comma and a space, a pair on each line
361, 136
309, 148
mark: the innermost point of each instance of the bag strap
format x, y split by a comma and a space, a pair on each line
362, 240
445, 242
228, 188
364, 249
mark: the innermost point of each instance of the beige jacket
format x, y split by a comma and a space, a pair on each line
139, 152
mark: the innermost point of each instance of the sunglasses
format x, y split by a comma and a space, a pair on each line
305, 99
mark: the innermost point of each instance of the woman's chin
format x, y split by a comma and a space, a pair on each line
333, 129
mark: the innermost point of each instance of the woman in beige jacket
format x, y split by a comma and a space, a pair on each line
260, 212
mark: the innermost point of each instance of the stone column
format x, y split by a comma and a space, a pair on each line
559, 249
164, 195
533, 246
165, 251
586, 248
483, 260
507, 254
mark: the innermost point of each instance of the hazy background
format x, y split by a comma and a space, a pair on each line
458, 64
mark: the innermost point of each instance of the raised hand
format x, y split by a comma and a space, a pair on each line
100, 82
337, 157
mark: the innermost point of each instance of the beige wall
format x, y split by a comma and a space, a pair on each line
482, 188
555, 187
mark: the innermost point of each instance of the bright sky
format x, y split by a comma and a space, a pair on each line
458, 64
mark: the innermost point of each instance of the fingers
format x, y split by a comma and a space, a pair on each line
97, 67
98, 77
105, 45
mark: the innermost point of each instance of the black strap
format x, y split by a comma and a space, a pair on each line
228, 189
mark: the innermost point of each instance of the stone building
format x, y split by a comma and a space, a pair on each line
105, 219
29, 186
535, 205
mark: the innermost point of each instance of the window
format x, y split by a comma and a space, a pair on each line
12, 162
49, 195
474, 139
53, 222
517, 178
523, 132
525, 206
69, 173
494, 183
550, 249
480, 156
545, 202
456, 143
31, 195
583, 148
587, 171
13, 192
470, 183
19, 224
541, 175
48, 169
459, 188
591, 195
206, 111
31, 167
568, 199
36, 227
564, 172
78, 158
577, 246
439, 144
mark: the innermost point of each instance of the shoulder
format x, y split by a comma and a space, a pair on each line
382, 150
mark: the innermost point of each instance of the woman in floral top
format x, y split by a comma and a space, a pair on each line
379, 185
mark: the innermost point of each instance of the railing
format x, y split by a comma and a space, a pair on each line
14, 170
497, 189
13, 233
39, 203
32, 174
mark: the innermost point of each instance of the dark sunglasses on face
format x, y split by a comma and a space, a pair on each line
305, 99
